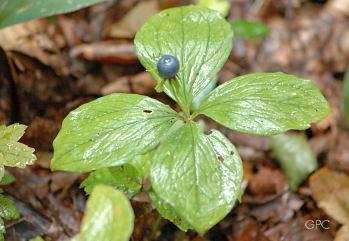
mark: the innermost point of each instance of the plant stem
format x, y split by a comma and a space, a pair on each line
181, 236
155, 228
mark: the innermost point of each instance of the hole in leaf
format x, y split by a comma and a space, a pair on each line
147, 111
221, 158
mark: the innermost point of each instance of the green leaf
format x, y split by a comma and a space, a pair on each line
221, 6
346, 97
266, 103
2, 230
110, 131
12, 133
168, 212
200, 38
37, 239
13, 153
124, 178
198, 175
2, 227
295, 157
8, 178
108, 216
249, 29
2, 172
8, 209
142, 164
13, 12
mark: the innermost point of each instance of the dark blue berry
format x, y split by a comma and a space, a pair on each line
168, 66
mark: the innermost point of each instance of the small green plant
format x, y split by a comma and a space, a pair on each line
8, 209
12, 154
249, 29
37, 239
295, 157
108, 216
195, 176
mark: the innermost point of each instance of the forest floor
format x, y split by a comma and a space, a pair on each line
59, 63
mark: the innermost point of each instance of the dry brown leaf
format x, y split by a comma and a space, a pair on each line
342, 234
34, 39
294, 230
143, 83
111, 52
7, 91
133, 20
121, 85
339, 6
250, 230
267, 181
330, 190
339, 153
280, 209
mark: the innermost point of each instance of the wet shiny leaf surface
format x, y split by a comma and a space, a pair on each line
124, 178
108, 216
2, 230
266, 103
7, 179
110, 131
8, 209
198, 175
200, 38
168, 212
12, 152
